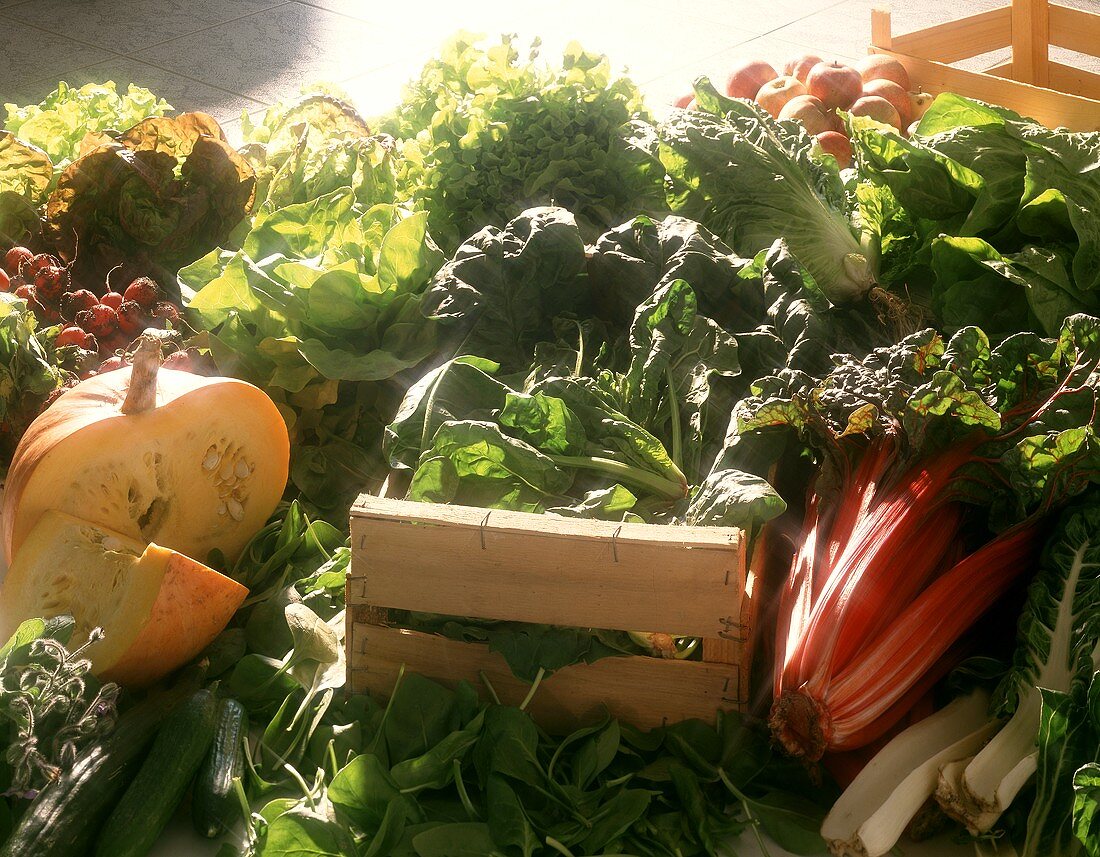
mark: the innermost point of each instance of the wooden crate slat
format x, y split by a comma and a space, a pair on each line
1031, 41
1075, 30
1075, 80
643, 691
959, 39
493, 565
1054, 109
1003, 69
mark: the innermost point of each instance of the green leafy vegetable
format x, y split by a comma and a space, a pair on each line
154, 198
321, 308
61, 122
485, 134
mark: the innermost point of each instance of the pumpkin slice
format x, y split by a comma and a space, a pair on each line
189, 462
157, 608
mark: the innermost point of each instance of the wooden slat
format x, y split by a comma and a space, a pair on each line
880, 27
537, 568
642, 691
1076, 81
959, 39
1075, 29
1031, 41
1053, 109
1003, 69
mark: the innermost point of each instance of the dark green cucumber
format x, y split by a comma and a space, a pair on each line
154, 795
65, 817
214, 802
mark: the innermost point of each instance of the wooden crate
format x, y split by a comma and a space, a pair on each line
523, 567
1030, 83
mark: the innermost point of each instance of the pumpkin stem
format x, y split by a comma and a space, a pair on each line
142, 393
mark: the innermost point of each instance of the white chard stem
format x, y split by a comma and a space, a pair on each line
869, 818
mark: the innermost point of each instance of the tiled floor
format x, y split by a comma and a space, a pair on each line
229, 56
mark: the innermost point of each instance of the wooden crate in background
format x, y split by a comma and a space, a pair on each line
461, 561
1030, 83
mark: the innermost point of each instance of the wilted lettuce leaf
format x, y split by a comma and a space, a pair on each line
158, 197
61, 121
19, 220
24, 169
485, 134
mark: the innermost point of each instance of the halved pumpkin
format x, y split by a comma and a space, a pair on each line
158, 609
189, 462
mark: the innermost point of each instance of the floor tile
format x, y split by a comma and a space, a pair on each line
298, 45
129, 25
845, 29
760, 17
181, 92
30, 54
637, 41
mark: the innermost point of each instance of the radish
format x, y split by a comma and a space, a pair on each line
112, 299
100, 321
132, 318
74, 302
144, 291
5, 281
50, 283
15, 258
72, 335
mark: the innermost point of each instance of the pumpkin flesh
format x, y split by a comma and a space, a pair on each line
157, 608
201, 470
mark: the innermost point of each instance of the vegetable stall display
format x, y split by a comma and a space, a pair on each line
519, 289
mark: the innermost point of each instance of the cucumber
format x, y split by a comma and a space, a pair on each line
155, 793
214, 803
64, 818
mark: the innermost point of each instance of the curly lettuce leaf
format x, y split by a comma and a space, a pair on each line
485, 134
60, 122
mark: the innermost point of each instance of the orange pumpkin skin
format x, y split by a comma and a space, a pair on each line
157, 609
200, 469
193, 605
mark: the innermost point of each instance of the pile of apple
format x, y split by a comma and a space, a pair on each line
812, 91
97, 323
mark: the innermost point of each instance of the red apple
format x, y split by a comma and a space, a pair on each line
894, 94
878, 109
919, 102
776, 93
810, 112
685, 102
882, 67
837, 85
746, 79
836, 144
800, 66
